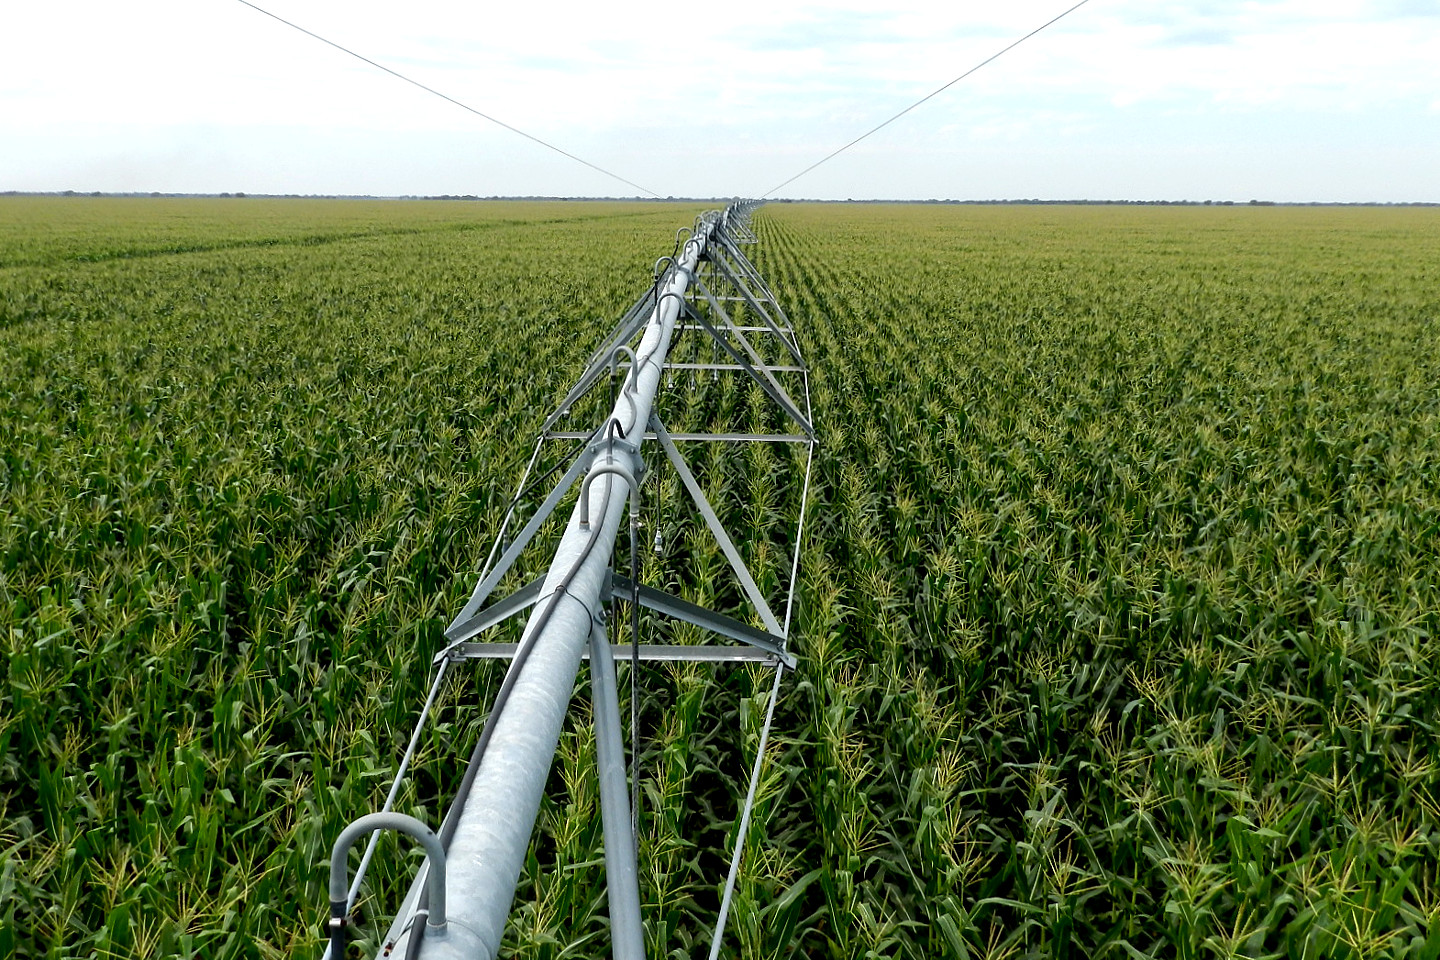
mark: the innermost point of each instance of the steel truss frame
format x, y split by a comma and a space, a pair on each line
690, 309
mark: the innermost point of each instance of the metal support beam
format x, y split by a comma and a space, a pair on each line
696, 326
760, 646
727, 547
495, 820
487, 832
649, 653
766, 294
733, 437
624, 331
731, 367
743, 265
677, 609
483, 588
522, 599
622, 879
767, 383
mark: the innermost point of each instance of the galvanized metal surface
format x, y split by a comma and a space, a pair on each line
434, 853
727, 437
649, 653
627, 936
493, 822
727, 547
494, 827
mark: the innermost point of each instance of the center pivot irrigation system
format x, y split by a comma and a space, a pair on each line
707, 303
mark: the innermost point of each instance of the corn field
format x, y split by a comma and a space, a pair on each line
1115, 620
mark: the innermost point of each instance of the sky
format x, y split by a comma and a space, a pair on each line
1285, 100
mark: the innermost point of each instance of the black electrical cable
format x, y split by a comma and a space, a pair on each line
564, 461
928, 96
463, 106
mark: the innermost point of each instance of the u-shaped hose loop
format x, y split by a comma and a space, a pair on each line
632, 382
616, 468
665, 296
435, 927
634, 365
675, 248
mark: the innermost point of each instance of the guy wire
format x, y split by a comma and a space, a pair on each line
463, 106
933, 93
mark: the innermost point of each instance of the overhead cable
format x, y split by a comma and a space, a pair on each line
442, 96
928, 96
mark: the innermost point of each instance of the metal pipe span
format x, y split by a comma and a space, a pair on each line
627, 933
493, 832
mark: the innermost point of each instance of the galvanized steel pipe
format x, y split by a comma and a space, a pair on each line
622, 878
493, 833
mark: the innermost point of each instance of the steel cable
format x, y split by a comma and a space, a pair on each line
744, 827
463, 106
934, 93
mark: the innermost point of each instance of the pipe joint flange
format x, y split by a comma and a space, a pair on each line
623, 449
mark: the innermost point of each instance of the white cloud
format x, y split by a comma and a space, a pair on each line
216, 89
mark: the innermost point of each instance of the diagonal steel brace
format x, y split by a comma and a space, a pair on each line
522, 539
624, 331
678, 609
522, 599
753, 302
742, 572
761, 375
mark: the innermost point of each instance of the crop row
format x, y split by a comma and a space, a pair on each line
1115, 619
1127, 551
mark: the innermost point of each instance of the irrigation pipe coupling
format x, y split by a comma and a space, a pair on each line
339, 873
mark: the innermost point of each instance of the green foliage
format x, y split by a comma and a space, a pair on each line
1116, 618
241, 490
1120, 619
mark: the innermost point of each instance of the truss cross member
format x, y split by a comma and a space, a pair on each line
753, 302
716, 527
